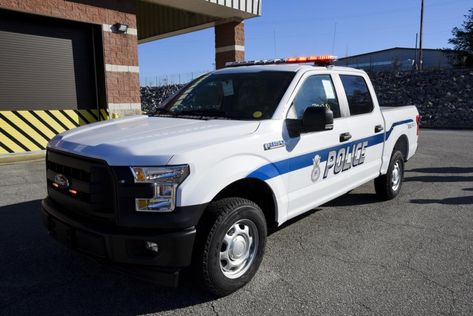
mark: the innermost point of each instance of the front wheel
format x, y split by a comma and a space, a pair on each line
233, 239
388, 186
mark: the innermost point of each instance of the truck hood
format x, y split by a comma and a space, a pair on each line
143, 140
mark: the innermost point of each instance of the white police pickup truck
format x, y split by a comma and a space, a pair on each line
235, 151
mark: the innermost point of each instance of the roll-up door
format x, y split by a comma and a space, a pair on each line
48, 79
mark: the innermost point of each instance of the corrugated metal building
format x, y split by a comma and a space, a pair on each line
397, 59
64, 63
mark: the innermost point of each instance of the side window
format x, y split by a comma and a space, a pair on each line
315, 91
358, 95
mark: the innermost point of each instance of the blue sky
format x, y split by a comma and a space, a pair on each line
307, 27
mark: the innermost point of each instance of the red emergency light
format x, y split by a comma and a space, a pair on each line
321, 60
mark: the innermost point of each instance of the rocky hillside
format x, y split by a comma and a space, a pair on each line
444, 97
153, 96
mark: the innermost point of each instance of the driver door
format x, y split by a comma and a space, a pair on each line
310, 184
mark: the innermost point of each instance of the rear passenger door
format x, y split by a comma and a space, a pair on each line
365, 128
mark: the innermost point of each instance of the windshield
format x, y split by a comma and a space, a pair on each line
240, 96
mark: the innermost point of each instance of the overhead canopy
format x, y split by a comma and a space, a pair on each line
163, 18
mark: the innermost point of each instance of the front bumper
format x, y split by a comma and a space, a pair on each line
125, 247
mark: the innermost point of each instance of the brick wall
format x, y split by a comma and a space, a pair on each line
229, 43
232, 33
224, 57
120, 49
122, 84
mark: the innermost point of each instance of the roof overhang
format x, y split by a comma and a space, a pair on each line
164, 18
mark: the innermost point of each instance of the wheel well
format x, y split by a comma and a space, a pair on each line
402, 144
254, 190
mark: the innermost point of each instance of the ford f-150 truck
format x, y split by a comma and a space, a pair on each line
197, 183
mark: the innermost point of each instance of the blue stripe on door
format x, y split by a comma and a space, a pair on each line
278, 168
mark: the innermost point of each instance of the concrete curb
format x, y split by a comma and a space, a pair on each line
14, 158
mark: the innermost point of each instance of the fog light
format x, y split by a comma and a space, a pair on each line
151, 246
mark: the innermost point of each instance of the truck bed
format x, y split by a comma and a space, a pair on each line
399, 120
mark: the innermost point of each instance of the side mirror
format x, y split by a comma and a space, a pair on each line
317, 118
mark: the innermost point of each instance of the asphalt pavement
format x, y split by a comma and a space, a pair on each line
354, 256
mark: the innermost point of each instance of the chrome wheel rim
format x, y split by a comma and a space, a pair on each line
396, 176
239, 247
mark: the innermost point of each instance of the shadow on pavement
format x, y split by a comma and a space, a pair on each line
352, 199
443, 170
39, 276
461, 200
439, 179
274, 229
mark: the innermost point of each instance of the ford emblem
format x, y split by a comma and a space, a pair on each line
61, 181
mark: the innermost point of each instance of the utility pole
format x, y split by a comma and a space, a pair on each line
334, 37
274, 39
416, 57
421, 54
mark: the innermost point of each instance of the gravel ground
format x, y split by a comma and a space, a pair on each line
355, 255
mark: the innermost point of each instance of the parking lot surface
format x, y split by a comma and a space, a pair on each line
354, 255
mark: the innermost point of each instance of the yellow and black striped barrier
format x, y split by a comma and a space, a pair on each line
23, 131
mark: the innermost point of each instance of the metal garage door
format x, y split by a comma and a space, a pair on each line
48, 79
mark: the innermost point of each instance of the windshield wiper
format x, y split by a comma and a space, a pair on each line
160, 111
201, 114
204, 113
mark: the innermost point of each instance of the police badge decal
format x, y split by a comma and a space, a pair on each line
315, 168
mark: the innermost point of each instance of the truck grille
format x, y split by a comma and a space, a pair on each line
88, 188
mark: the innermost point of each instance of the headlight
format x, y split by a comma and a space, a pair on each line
165, 180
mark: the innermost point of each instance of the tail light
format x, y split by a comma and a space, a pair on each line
418, 118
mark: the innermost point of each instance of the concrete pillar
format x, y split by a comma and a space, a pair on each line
229, 43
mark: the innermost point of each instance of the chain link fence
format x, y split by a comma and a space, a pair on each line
170, 79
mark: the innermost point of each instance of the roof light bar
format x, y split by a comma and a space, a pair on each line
321, 60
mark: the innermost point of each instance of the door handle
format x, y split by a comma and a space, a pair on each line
344, 137
378, 128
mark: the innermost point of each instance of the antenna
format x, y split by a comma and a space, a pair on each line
334, 37
274, 34
421, 53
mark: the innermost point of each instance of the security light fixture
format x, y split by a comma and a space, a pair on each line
152, 246
119, 28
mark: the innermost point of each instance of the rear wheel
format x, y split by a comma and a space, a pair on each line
232, 242
389, 185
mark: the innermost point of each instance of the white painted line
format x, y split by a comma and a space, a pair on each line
122, 68
230, 48
124, 106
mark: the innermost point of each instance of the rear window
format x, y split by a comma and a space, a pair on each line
358, 95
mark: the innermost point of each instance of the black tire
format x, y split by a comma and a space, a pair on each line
218, 220
384, 187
